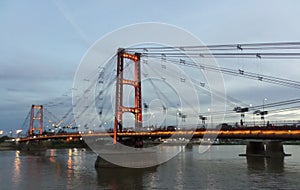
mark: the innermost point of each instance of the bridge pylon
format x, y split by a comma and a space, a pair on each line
136, 83
36, 114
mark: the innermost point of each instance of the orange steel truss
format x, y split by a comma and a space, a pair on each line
136, 83
36, 114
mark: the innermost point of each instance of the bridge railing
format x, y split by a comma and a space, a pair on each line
270, 123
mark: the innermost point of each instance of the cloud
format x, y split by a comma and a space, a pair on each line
40, 49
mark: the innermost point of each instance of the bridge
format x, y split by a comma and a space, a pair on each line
114, 78
287, 134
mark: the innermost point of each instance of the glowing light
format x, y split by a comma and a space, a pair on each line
130, 56
19, 131
70, 152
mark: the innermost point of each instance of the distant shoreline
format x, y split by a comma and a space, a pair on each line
5, 146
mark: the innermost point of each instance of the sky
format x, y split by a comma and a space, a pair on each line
43, 42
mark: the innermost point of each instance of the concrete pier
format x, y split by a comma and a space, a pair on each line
102, 163
275, 149
255, 149
268, 149
135, 158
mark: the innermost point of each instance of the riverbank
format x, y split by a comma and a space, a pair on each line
11, 145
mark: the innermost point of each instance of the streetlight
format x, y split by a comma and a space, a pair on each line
178, 114
257, 112
18, 132
211, 119
265, 99
250, 105
154, 121
146, 106
201, 117
242, 111
165, 115
263, 112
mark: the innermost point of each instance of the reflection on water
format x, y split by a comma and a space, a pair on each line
275, 164
122, 178
17, 168
256, 163
70, 163
219, 168
52, 155
70, 169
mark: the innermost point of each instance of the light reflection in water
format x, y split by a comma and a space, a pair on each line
70, 164
69, 170
52, 155
52, 159
77, 159
218, 168
17, 169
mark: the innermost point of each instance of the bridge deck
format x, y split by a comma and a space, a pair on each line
279, 134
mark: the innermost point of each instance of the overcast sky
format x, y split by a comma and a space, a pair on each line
42, 42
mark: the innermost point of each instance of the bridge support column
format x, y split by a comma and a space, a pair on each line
268, 149
275, 149
102, 163
255, 149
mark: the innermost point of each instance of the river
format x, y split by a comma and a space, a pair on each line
219, 168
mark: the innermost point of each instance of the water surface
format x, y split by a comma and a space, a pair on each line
218, 168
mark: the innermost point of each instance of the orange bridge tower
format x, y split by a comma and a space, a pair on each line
36, 114
136, 83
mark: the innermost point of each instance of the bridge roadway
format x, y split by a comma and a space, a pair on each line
264, 134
